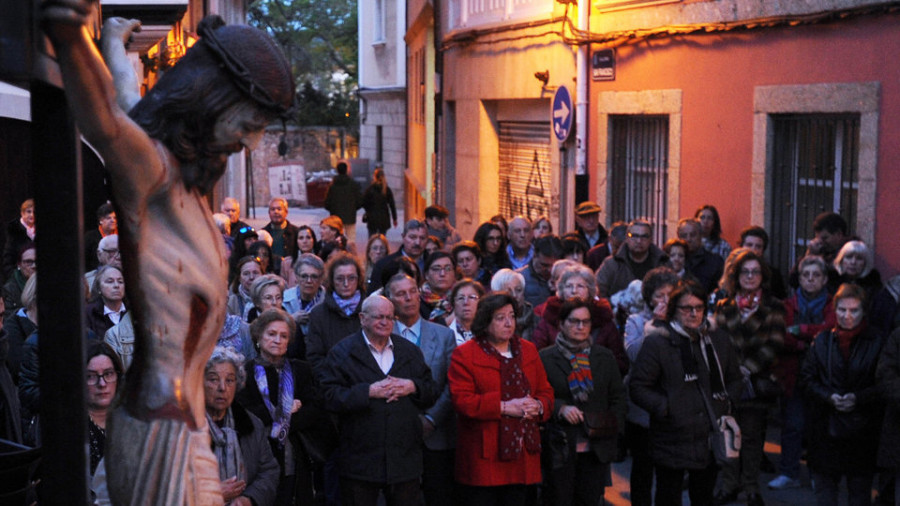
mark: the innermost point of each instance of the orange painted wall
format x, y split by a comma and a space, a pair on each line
718, 73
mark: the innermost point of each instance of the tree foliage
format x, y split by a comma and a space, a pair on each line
319, 38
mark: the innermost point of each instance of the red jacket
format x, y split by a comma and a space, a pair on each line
474, 379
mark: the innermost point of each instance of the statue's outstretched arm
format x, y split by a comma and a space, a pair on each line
125, 147
114, 37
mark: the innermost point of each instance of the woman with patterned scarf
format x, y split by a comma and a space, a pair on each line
247, 468
283, 394
755, 321
585, 380
440, 275
681, 362
500, 393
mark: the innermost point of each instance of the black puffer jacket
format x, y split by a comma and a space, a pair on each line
888, 379
679, 423
825, 372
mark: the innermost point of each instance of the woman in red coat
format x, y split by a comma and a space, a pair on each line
501, 393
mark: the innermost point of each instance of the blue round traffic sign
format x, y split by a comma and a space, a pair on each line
561, 113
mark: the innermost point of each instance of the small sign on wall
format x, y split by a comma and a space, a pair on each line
603, 65
288, 180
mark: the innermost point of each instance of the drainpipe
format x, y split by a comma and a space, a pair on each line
581, 92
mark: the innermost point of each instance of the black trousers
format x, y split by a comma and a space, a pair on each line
364, 493
638, 440
437, 477
701, 483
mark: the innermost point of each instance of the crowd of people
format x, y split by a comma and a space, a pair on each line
510, 368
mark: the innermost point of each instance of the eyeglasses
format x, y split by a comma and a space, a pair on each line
467, 298
346, 280
571, 288
575, 322
638, 236
751, 272
309, 277
107, 377
687, 309
113, 252
437, 269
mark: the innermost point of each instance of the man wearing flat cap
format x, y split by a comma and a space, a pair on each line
587, 223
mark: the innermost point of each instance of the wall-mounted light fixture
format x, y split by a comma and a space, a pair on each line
543, 77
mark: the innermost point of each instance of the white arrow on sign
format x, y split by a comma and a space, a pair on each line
563, 112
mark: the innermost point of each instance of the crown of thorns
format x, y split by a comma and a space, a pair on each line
242, 77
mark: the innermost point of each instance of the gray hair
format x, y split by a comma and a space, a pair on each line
310, 260
261, 283
559, 266
815, 260
95, 286
858, 248
413, 224
222, 355
503, 277
106, 240
578, 271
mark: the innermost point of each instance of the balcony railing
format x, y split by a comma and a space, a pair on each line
466, 14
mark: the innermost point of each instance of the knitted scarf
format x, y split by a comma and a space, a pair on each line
811, 311
581, 381
440, 305
710, 356
281, 414
348, 306
226, 447
515, 433
845, 338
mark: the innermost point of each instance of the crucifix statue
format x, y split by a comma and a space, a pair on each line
163, 156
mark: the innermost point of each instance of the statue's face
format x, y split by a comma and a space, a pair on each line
241, 125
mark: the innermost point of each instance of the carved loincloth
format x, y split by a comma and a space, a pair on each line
160, 462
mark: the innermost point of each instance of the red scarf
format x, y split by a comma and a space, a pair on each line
515, 433
845, 338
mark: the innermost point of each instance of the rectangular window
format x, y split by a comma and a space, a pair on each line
814, 168
638, 170
524, 169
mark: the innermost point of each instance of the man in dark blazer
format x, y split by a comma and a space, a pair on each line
437, 343
377, 384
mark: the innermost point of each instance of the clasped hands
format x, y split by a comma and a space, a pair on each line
523, 407
391, 389
843, 403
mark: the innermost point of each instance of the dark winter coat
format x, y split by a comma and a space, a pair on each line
608, 395
603, 329
259, 463
12, 293
327, 326
380, 207
343, 198
888, 379
17, 328
758, 340
706, 267
290, 243
679, 422
95, 320
380, 442
825, 372
536, 288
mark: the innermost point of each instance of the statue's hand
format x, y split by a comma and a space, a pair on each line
119, 29
68, 12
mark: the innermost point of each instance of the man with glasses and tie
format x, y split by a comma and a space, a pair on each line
437, 344
378, 384
633, 261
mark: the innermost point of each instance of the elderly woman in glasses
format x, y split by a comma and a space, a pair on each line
500, 393
300, 300
338, 316
586, 383
247, 468
465, 295
680, 363
440, 275
266, 292
755, 321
